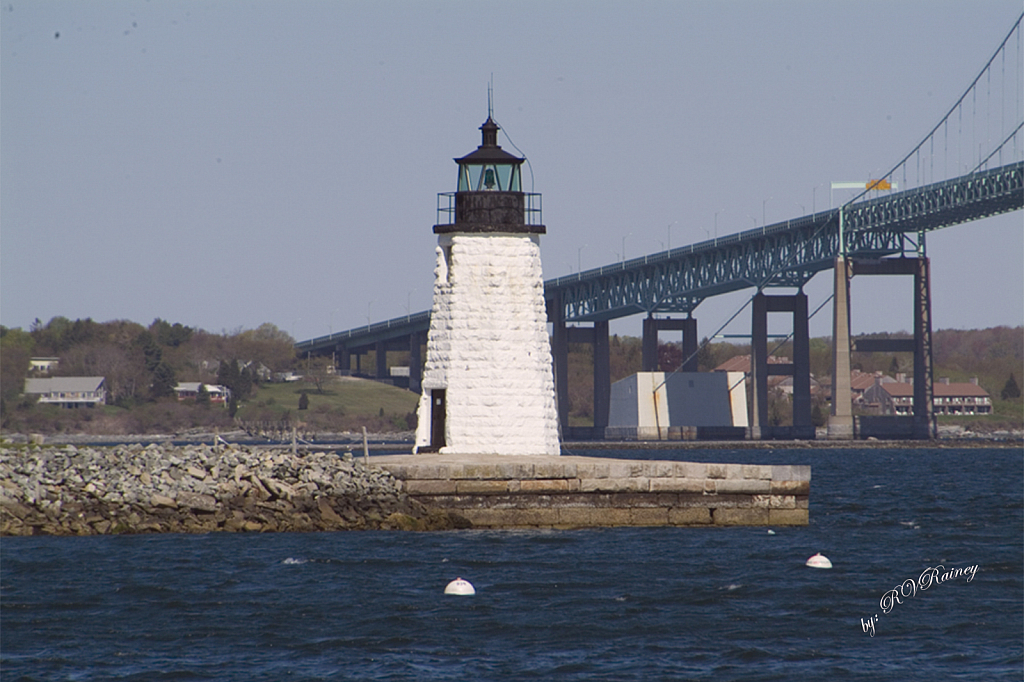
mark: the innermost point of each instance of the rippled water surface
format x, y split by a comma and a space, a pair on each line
605, 604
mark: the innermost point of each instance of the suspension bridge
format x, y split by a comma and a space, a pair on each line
969, 166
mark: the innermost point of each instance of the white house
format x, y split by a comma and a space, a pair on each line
42, 365
68, 391
897, 397
188, 390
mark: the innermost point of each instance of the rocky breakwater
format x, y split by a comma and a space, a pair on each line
197, 489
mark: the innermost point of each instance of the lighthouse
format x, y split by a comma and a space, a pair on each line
487, 380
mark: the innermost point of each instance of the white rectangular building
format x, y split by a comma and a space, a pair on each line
646, 405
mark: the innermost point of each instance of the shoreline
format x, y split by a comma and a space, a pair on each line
69, 490
940, 443
148, 487
399, 440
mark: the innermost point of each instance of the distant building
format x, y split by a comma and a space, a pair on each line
897, 397
662, 406
42, 365
786, 386
741, 363
188, 390
260, 371
861, 382
68, 391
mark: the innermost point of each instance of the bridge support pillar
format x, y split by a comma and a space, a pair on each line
560, 362
381, 351
344, 360
840, 420
923, 424
597, 337
924, 406
416, 362
602, 378
799, 369
650, 342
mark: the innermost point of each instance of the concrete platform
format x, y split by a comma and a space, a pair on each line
493, 491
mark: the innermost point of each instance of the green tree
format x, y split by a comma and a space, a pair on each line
238, 379
16, 349
164, 381
150, 350
319, 370
245, 382
705, 356
1010, 390
670, 357
819, 417
202, 396
227, 373
60, 333
168, 334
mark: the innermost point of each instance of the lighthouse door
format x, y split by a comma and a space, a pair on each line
437, 415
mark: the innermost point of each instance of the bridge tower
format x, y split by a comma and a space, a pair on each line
487, 384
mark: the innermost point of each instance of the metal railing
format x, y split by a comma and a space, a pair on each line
532, 208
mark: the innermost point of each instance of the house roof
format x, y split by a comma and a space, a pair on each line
938, 390
63, 384
193, 387
861, 381
741, 363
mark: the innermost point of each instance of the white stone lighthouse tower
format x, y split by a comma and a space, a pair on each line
487, 380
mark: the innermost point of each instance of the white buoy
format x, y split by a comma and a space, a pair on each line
771, 532
459, 586
819, 561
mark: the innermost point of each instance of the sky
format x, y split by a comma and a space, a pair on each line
226, 164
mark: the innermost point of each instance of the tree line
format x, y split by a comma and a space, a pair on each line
142, 364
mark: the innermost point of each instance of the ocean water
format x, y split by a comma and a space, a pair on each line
600, 604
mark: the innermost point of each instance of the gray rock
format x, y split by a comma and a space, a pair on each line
163, 488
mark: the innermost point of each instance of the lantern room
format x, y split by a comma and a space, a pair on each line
489, 168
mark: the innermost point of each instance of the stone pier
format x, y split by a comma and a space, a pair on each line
493, 491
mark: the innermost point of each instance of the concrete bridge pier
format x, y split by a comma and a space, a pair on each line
840, 420
652, 325
799, 369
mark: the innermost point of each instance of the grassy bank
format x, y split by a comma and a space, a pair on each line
341, 404
345, 404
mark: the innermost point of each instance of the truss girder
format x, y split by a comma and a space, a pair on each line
367, 337
943, 204
785, 254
